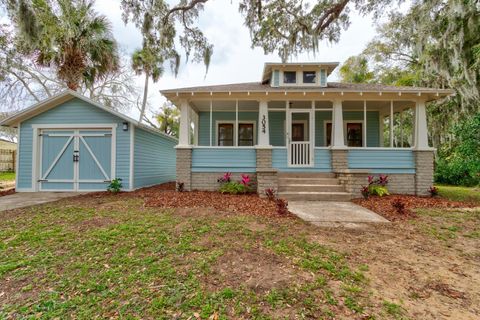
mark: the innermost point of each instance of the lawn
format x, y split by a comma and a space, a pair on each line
7, 176
109, 256
459, 193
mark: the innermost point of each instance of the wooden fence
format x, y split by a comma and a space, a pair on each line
7, 160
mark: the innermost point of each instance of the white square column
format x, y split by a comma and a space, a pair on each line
421, 133
338, 135
263, 129
184, 139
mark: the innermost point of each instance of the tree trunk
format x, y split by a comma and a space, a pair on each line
145, 93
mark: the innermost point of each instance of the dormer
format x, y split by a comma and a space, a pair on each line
312, 74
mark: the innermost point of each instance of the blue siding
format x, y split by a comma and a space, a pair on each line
224, 159
382, 161
74, 111
204, 123
322, 161
276, 78
154, 159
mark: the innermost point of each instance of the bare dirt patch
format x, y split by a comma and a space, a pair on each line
256, 269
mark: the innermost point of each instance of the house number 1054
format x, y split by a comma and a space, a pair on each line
264, 124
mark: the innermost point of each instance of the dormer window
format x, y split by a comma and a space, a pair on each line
289, 77
309, 76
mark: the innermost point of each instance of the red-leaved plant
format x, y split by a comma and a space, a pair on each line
365, 192
245, 180
227, 177
271, 194
433, 191
282, 206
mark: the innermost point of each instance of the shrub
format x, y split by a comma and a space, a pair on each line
233, 187
225, 178
399, 206
282, 206
433, 191
271, 194
377, 186
377, 190
115, 185
180, 186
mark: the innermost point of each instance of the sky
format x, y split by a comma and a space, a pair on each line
233, 58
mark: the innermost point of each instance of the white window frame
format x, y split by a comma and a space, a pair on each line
235, 131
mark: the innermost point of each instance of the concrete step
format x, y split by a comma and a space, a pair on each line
306, 175
310, 187
323, 181
315, 196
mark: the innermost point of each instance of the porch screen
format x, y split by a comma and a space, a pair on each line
354, 134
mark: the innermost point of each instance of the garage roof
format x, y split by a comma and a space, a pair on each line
65, 96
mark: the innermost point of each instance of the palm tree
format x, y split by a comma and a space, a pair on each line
70, 37
150, 63
169, 119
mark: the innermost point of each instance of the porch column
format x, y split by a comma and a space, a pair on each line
338, 138
184, 139
339, 150
421, 135
264, 131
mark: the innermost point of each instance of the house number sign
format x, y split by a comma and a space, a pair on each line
264, 124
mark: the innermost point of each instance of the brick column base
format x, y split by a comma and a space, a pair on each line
184, 167
264, 158
266, 178
339, 160
423, 171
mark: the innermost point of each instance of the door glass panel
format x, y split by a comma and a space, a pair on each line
298, 130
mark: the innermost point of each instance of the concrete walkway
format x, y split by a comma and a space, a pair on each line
26, 199
332, 213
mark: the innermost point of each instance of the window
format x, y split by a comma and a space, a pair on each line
289, 77
309, 76
225, 134
245, 134
354, 134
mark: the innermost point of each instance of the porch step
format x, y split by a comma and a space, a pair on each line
310, 187
315, 196
313, 180
306, 175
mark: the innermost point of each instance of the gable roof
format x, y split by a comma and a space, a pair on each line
65, 96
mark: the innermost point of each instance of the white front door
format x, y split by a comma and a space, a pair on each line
300, 137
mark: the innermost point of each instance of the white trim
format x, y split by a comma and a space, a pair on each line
364, 125
391, 123
211, 121
132, 158
35, 159
17, 157
235, 138
113, 159
224, 147
235, 131
76, 126
308, 130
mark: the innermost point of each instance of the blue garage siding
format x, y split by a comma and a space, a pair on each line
154, 159
74, 111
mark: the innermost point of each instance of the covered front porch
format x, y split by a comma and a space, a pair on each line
351, 138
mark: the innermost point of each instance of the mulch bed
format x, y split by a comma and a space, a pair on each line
165, 196
384, 205
7, 192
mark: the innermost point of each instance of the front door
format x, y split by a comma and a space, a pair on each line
75, 160
300, 138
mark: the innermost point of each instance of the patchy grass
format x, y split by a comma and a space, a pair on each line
109, 256
457, 193
115, 258
7, 176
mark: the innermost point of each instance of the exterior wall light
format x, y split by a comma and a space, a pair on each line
125, 126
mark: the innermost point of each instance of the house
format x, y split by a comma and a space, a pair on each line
71, 143
306, 137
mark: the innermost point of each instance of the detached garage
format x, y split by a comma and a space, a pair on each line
71, 143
